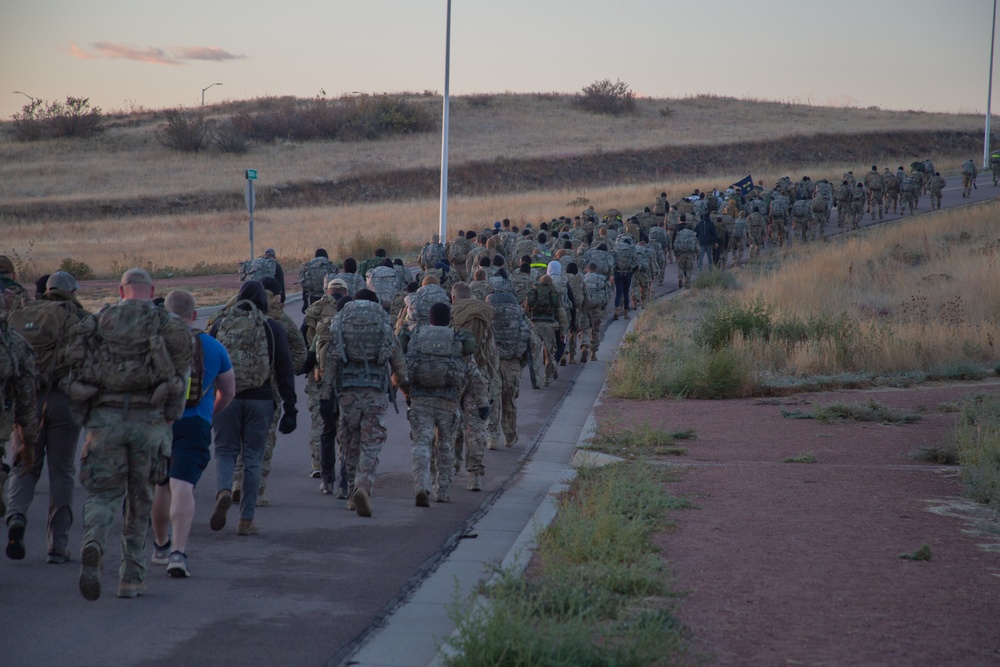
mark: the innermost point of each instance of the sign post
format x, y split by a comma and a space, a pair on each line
251, 198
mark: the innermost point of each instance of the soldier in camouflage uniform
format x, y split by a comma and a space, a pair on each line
479, 287
363, 357
549, 319
876, 187
437, 382
891, 190
476, 317
322, 435
127, 404
936, 187
858, 199
756, 230
513, 336
969, 173
683, 244
844, 195
18, 411
597, 292
15, 294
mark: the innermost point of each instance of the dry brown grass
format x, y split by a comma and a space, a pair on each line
127, 160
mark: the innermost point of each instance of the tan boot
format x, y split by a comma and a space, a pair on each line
593, 355
583, 353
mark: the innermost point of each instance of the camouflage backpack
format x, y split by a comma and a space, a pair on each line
313, 273
660, 206
430, 255
458, 251
258, 268
364, 339
418, 304
643, 259
825, 189
739, 228
601, 258
596, 287
779, 207
543, 301
241, 331
686, 241
509, 329
891, 184
700, 208
819, 204
9, 366
659, 235
434, 357
45, 325
195, 391
968, 168
994, 158
120, 350
802, 209
385, 283
624, 254
909, 185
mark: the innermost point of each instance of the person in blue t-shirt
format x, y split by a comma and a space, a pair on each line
173, 502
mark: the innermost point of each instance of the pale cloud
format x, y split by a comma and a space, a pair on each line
170, 56
204, 53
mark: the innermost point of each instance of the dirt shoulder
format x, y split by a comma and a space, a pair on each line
798, 563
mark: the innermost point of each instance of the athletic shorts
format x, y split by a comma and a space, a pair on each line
191, 450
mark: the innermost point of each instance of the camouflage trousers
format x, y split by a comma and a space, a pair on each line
510, 380
685, 264
803, 225
892, 199
470, 440
843, 213
496, 410
967, 182
907, 200
857, 214
935, 199
756, 242
315, 419
548, 332
537, 357
642, 288
433, 423
736, 245
361, 432
875, 202
780, 228
590, 326
124, 455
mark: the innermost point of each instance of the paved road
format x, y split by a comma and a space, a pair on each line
306, 591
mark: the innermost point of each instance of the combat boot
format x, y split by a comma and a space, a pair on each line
593, 354
584, 350
474, 483
90, 571
246, 527
572, 358
15, 537
223, 501
131, 589
362, 503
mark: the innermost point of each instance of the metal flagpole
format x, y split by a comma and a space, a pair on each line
989, 88
443, 225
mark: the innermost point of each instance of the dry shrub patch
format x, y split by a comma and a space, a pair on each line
977, 437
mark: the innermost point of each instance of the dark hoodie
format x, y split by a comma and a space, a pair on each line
278, 351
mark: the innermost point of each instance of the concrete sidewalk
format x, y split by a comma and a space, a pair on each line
504, 534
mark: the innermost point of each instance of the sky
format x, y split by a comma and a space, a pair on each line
135, 54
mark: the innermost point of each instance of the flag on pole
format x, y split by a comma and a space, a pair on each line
745, 184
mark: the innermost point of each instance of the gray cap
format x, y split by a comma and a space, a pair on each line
136, 275
61, 280
269, 252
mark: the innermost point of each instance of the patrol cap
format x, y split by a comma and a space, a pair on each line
61, 280
337, 282
136, 276
269, 252
6, 266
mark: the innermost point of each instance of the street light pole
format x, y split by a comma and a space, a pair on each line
989, 88
206, 88
18, 92
443, 224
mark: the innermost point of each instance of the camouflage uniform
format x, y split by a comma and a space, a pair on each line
646, 269
875, 186
755, 230
514, 352
361, 429
317, 317
18, 409
907, 195
129, 437
549, 327
844, 196
575, 281
479, 288
968, 180
597, 293
936, 187
434, 418
858, 199
891, 195
476, 317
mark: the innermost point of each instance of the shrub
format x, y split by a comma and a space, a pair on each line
229, 139
72, 118
188, 133
978, 440
80, 269
607, 97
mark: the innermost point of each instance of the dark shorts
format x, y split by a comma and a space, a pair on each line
191, 450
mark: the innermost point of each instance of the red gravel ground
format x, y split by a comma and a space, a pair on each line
798, 563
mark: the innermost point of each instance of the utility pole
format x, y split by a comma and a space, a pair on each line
989, 88
443, 224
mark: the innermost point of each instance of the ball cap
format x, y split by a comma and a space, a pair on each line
337, 282
136, 276
61, 280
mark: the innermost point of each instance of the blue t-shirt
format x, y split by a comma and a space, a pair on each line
216, 362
